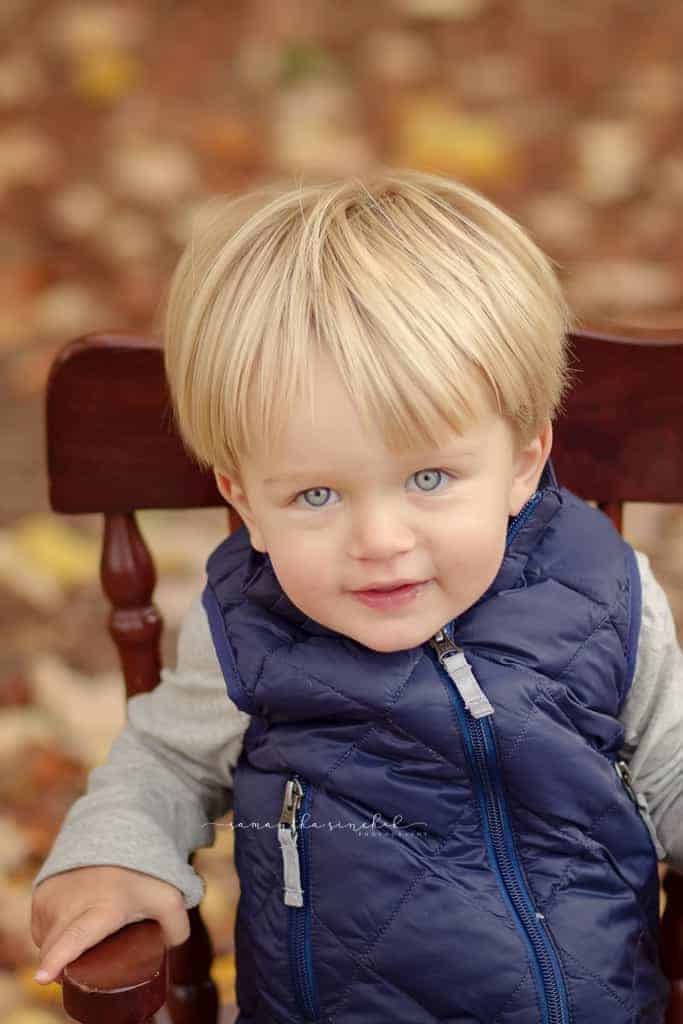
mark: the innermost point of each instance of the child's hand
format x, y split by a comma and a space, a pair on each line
76, 909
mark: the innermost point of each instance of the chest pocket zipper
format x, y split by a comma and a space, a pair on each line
294, 844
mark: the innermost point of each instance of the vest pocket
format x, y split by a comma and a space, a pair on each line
294, 839
622, 770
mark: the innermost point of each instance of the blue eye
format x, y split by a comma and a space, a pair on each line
318, 492
430, 474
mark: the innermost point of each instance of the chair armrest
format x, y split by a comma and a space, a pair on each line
671, 946
122, 978
131, 974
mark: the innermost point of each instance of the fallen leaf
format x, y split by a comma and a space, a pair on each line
91, 709
223, 973
19, 726
13, 846
33, 1015
456, 10
48, 995
10, 993
56, 548
433, 136
106, 75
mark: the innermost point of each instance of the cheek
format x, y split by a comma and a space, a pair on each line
478, 546
299, 570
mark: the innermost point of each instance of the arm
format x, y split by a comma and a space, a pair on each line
652, 717
167, 777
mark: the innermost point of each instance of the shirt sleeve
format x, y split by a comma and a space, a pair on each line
652, 717
167, 777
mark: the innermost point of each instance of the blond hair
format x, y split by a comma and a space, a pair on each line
416, 286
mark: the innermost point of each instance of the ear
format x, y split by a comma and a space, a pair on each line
527, 468
234, 493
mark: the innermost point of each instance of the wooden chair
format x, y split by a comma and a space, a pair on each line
112, 449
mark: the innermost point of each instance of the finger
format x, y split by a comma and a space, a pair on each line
65, 943
175, 925
41, 920
38, 933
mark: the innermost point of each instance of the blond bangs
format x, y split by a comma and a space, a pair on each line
425, 296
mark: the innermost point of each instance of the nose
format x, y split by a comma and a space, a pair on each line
378, 532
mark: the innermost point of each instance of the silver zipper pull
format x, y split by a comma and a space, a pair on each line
443, 644
623, 771
287, 836
459, 669
290, 804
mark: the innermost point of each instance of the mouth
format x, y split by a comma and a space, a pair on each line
387, 588
390, 597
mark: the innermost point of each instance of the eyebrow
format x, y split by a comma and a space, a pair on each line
292, 478
441, 456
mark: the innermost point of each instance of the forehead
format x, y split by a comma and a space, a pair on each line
323, 430
464, 451
349, 456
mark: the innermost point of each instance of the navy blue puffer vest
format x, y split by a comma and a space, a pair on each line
410, 854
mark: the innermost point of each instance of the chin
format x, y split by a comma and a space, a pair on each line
400, 642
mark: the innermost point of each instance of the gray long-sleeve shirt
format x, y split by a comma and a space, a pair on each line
168, 776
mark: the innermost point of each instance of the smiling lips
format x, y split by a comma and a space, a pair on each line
390, 598
383, 587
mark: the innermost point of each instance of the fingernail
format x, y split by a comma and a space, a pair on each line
41, 976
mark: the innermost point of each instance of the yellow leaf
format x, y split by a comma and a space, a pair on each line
437, 9
58, 549
106, 75
166, 541
432, 136
48, 995
32, 1014
223, 973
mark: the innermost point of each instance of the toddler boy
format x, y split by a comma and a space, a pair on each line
440, 664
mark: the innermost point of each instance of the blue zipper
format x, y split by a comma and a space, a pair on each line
483, 758
300, 954
482, 755
524, 513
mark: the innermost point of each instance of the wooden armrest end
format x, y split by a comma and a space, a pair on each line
672, 923
124, 977
674, 1013
672, 942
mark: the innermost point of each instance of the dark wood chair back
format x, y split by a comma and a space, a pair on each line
112, 449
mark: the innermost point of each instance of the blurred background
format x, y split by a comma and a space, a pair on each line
116, 121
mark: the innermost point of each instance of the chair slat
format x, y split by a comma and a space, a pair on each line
621, 436
111, 440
